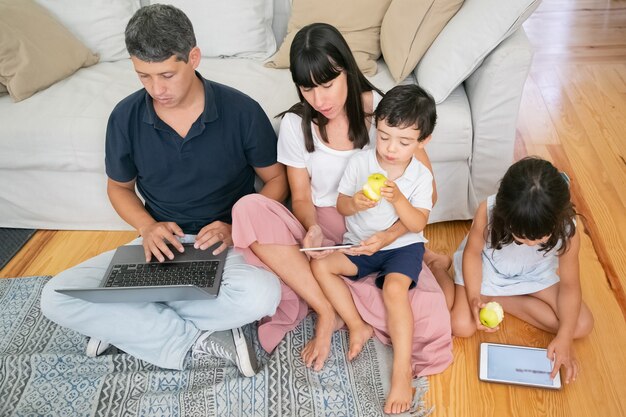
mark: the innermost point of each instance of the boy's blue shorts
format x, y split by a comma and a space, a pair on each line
406, 260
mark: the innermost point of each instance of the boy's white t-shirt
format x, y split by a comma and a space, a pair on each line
416, 183
325, 165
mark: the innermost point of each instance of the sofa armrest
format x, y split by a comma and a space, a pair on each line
494, 91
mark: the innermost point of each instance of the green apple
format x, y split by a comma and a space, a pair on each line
491, 314
372, 187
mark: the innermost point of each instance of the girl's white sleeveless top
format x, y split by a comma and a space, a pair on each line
514, 269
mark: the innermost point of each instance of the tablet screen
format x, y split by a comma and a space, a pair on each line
526, 366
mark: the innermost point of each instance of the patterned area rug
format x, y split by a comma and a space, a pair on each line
11, 241
44, 372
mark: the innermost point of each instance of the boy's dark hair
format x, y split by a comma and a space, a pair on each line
533, 201
407, 106
159, 31
318, 54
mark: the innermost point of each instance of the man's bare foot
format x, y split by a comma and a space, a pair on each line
316, 351
437, 260
401, 393
358, 337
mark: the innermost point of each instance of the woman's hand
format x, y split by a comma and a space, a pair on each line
560, 351
476, 303
314, 238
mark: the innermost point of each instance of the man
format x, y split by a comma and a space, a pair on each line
191, 147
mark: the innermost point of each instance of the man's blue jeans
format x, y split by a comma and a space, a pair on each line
161, 333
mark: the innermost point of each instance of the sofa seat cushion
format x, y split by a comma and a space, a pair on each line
63, 127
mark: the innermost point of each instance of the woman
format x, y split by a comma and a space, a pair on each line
317, 136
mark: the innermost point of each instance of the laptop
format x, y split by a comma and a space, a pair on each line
192, 275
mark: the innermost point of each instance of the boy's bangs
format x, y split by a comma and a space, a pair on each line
311, 70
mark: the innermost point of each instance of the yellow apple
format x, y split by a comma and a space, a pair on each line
372, 187
491, 314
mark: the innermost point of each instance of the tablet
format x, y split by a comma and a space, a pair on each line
518, 365
329, 247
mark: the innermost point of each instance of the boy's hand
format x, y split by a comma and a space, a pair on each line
391, 192
561, 353
361, 202
369, 246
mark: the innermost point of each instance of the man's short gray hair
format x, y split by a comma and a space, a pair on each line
157, 32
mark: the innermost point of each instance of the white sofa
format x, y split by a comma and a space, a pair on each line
52, 144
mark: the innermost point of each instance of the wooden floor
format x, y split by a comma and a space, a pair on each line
573, 113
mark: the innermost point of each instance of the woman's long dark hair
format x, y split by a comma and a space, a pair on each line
533, 201
319, 54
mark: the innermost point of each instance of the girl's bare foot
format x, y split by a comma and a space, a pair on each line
437, 260
316, 351
358, 337
401, 393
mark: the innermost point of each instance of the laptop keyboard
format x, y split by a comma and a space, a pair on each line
199, 273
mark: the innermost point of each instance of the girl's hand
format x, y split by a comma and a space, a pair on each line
476, 304
560, 351
313, 239
391, 192
361, 202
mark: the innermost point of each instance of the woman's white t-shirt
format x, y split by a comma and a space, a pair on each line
325, 165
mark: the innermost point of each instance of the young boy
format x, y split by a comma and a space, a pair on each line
405, 119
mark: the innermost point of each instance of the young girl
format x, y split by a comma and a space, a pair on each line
522, 251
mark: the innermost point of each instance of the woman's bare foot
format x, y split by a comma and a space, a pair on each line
358, 336
316, 351
437, 260
439, 264
401, 393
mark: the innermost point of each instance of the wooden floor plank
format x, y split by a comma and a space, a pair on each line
50, 252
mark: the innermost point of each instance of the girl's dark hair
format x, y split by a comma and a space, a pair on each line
319, 54
533, 201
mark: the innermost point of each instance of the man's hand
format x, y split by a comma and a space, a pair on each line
213, 233
155, 238
561, 353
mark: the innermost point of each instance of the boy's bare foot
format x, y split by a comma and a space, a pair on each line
401, 393
316, 351
358, 336
437, 260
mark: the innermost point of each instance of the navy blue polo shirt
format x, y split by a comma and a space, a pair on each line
195, 180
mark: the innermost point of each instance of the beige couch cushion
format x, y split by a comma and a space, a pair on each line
3, 90
35, 50
358, 20
408, 29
